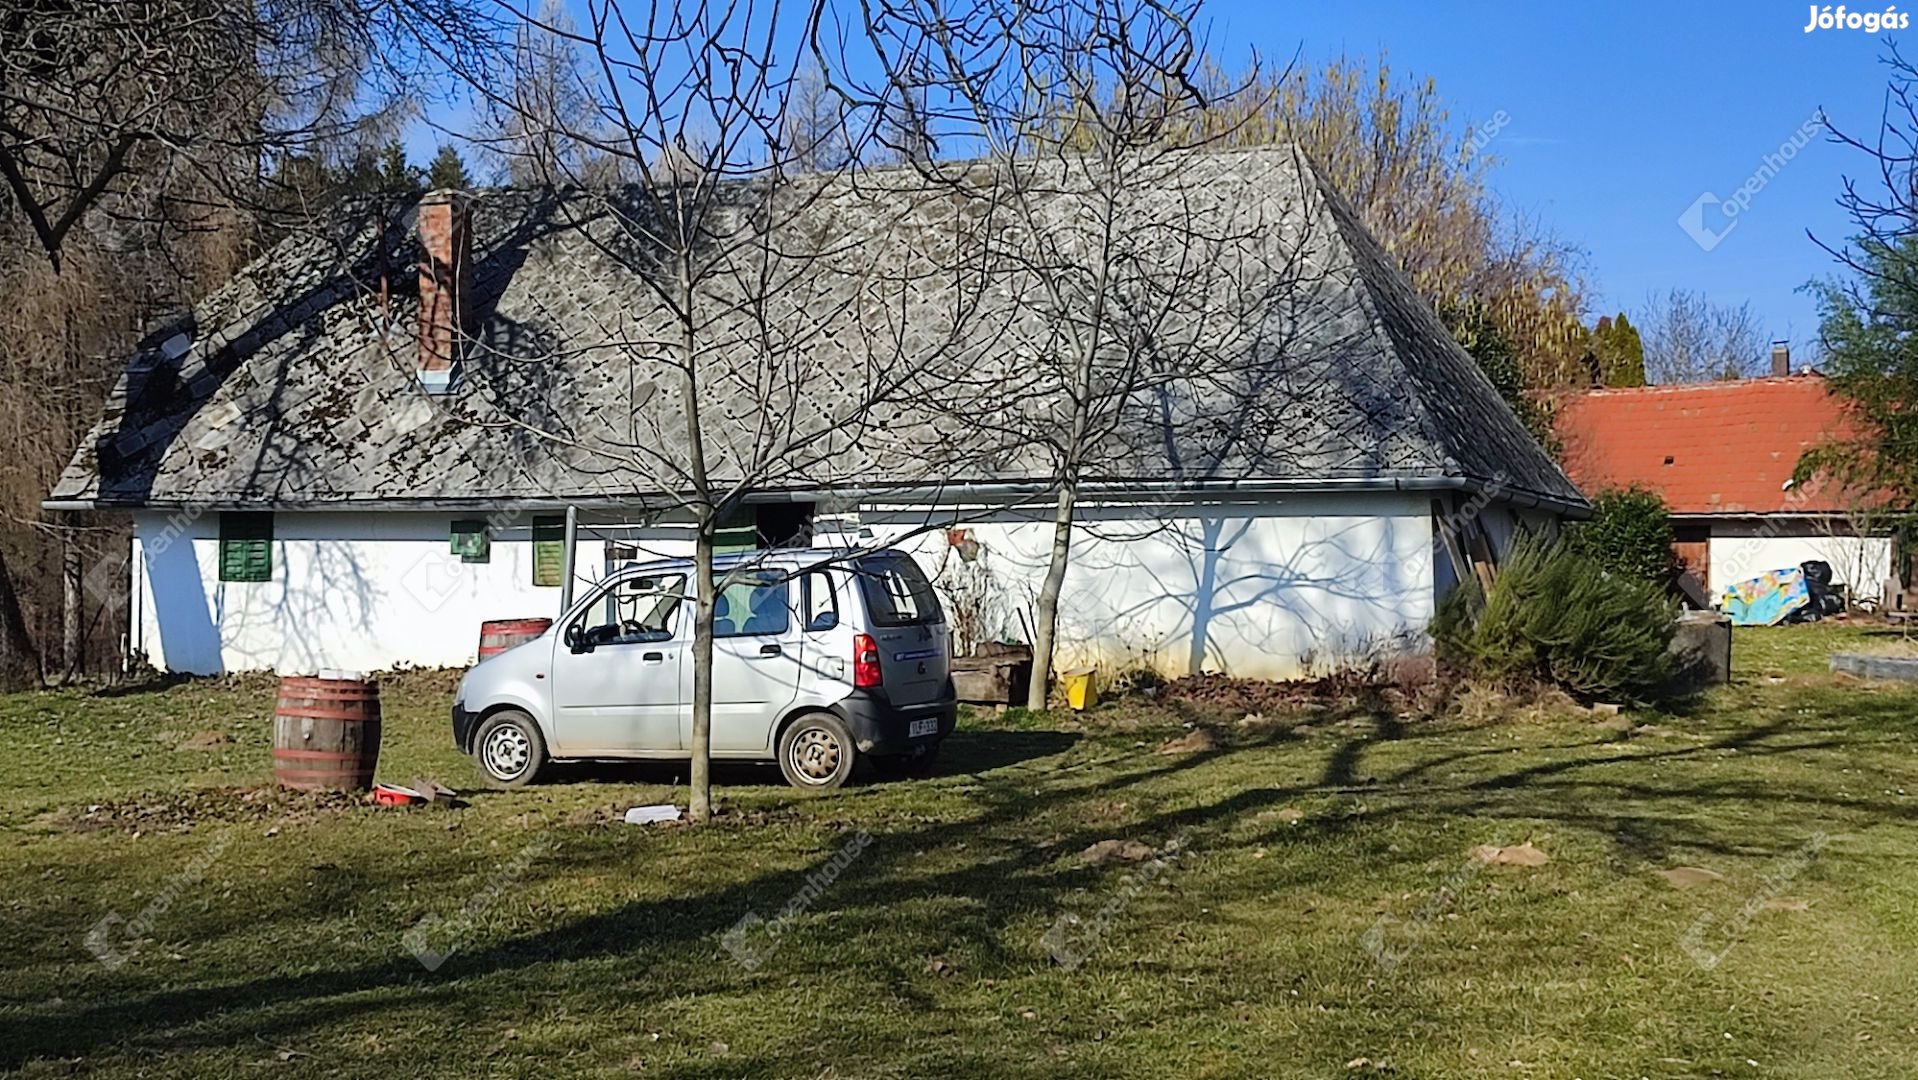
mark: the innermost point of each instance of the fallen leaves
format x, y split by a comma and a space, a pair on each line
1520, 855
1196, 741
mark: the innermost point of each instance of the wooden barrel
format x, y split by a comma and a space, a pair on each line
500, 635
326, 733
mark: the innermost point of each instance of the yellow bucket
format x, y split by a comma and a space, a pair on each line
1078, 688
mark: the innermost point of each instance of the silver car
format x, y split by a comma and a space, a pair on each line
821, 658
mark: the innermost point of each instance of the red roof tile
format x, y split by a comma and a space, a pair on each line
1708, 448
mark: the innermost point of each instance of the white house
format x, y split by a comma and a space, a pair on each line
365, 445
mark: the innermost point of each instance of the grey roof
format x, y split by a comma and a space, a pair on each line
876, 359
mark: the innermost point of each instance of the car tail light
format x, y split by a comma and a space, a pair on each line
865, 662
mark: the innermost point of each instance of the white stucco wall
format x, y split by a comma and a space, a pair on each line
352, 591
1271, 590
1858, 561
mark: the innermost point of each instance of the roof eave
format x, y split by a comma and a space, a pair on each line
993, 491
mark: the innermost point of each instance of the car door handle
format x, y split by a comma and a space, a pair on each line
653, 657
769, 650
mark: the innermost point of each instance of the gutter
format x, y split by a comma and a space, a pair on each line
990, 491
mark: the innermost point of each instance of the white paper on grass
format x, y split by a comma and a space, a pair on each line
646, 815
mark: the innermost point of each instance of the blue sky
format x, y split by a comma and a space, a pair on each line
1622, 115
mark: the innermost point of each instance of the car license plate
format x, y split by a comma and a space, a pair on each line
929, 726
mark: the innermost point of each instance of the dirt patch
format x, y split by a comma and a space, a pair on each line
1263, 698
1106, 851
181, 810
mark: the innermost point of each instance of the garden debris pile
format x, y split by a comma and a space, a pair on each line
181, 810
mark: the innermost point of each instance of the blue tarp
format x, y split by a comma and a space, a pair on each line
1768, 599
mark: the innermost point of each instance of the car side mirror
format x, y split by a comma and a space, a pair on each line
825, 620
577, 641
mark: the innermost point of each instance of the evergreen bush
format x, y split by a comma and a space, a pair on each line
1630, 533
1555, 614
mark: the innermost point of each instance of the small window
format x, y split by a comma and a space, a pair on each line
471, 542
246, 547
821, 606
549, 551
752, 606
736, 531
897, 592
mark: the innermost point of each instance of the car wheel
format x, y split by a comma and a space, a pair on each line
509, 749
816, 751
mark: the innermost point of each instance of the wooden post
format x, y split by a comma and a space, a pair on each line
566, 560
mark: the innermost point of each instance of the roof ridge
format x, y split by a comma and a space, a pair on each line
1361, 247
1810, 378
1330, 202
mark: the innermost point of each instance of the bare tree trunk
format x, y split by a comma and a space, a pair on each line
1045, 632
19, 662
700, 808
72, 607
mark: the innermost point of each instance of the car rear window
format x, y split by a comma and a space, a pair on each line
896, 592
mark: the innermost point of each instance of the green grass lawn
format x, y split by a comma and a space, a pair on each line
1315, 904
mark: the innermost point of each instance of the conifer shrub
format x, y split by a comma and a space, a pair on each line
1630, 533
1555, 615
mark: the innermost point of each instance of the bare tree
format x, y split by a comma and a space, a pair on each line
1419, 179
1129, 282
815, 135
548, 129
1690, 339
765, 331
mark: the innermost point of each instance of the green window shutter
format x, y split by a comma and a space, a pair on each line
246, 547
549, 550
738, 531
471, 542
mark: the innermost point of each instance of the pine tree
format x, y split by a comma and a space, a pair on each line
396, 175
1618, 353
448, 170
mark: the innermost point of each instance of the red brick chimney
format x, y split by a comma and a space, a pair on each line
446, 282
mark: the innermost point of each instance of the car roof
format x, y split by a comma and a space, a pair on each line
784, 557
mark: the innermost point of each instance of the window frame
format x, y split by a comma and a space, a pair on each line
248, 564
771, 579
823, 577
871, 573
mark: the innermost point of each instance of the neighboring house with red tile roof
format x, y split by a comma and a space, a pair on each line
1722, 455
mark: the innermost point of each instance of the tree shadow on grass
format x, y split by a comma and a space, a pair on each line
991, 875
964, 752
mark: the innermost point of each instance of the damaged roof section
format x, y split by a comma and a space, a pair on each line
295, 384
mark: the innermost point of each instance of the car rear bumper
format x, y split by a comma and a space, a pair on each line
882, 728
